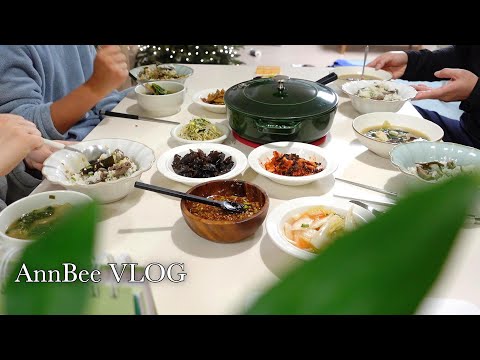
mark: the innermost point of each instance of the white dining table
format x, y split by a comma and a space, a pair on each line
227, 278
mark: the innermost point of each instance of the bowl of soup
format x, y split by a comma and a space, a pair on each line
380, 132
218, 225
354, 73
34, 216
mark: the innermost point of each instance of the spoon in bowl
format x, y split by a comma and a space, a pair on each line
364, 61
91, 153
225, 205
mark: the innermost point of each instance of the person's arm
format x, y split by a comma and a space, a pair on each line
22, 87
472, 103
110, 71
424, 63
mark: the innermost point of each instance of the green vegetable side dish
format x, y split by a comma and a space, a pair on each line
199, 129
36, 223
157, 89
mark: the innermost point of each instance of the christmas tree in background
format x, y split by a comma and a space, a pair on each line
193, 54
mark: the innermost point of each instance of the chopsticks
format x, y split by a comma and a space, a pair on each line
135, 117
382, 191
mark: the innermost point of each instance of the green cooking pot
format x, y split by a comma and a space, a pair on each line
281, 109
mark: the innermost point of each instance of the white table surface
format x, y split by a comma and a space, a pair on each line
225, 278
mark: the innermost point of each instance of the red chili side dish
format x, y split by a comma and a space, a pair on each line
209, 212
292, 165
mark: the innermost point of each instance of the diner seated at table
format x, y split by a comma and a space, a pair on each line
23, 154
461, 66
61, 88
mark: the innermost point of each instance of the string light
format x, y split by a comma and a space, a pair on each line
205, 54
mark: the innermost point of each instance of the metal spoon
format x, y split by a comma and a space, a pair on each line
367, 207
470, 219
91, 153
142, 83
364, 61
225, 205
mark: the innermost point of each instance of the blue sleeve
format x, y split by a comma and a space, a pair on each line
21, 89
110, 101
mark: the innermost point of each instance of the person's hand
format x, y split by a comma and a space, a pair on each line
458, 88
18, 137
395, 62
110, 70
35, 158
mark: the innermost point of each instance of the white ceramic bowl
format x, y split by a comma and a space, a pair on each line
354, 71
222, 128
404, 156
161, 105
280, 214
363, 105
15, 210
164, 163
363, 122
180, 69
197, 99
57, 165
259, 156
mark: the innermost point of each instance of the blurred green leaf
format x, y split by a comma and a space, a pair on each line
384, 267
72, 241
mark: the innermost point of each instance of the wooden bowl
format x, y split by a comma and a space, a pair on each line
225, 231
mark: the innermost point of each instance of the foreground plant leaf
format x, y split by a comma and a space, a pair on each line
72, 241
384, 267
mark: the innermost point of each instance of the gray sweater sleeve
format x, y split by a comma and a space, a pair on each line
16, 185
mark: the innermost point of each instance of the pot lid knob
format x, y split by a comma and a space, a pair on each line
280, 79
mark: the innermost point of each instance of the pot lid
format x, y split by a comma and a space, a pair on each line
281, 97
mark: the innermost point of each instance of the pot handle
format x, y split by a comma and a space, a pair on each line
267, 127
328, 79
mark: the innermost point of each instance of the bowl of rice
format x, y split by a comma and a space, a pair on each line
378, 96
108, 178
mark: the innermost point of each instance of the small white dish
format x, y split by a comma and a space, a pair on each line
164, 162
161, 105
279, 215
61, 162
183, 70
355, 72
262, 154
197, 99
222, 128
33, 202
365, 105
365, 121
